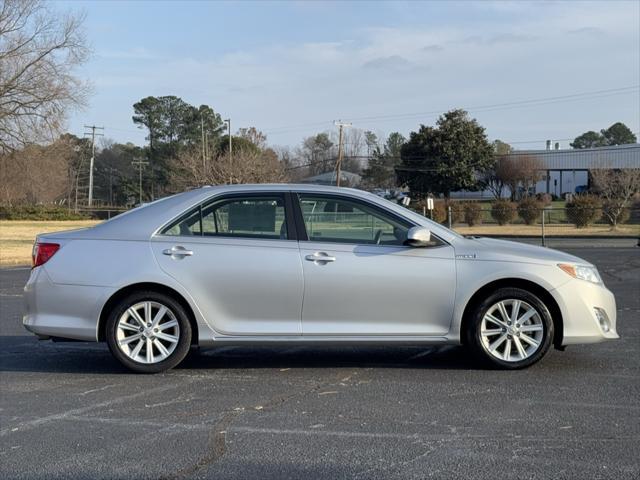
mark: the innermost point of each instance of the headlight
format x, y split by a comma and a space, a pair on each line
590, 274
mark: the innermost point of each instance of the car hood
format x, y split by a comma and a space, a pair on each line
483, 248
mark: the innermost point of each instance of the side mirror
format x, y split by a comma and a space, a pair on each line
418, 237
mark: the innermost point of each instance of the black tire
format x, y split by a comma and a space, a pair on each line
481, 350
184, 338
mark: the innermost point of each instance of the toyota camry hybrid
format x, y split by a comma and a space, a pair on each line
300, 264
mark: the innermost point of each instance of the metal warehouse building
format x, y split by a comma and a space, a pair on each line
564, 170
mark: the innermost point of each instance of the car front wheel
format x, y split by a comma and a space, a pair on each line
148, 332
512, 328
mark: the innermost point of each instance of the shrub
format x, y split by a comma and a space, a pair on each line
472, 213
544, 198
38, 212
529, 210
583, 210
503, 211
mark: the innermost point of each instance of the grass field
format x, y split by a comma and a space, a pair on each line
17, 237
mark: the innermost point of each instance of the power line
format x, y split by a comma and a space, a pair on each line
426, 159
479, 108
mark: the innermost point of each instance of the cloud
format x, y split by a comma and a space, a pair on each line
590, 31
394, 62
502, 38
134, 53
433, 48
510, 38
370, 71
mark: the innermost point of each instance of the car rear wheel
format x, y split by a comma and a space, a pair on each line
512, 328
148, 332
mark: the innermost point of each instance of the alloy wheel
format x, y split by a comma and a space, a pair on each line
512, 330
147, 332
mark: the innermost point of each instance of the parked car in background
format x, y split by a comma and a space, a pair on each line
301, 264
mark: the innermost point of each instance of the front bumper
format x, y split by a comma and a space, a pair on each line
578, 300
58, 310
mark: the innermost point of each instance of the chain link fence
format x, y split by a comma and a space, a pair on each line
544, 223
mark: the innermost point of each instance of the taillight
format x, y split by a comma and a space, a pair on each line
42, 252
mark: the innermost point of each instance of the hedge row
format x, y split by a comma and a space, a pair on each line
38, 212
582, 211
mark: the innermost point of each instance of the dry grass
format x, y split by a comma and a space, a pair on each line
17, 237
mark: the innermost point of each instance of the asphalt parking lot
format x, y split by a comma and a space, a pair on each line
68, 410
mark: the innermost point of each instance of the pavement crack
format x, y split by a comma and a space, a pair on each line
216, 447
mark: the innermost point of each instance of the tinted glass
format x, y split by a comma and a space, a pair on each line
187, 225
248, 217
334, 219
253, 217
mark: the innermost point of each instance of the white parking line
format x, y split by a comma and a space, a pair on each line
79, 411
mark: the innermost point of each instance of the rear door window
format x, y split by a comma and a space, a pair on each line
252, 216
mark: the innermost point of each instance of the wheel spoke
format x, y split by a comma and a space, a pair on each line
132, 338
127, 326
149, 351
495, 320
532, 328
515, 310
503, 312
161, 348
159, 316
531, 341
498, 342
526, 316
136, 350
489, 331
521, 350
507, 350
164, 326
147, 312
131, 311
167, 337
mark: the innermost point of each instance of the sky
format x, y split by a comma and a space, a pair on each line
292, 68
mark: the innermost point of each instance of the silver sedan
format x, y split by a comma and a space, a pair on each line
289, 264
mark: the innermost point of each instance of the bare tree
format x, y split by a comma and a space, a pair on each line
246, 166
494, 178
254, 135
39, 50
520, 170
38, 174
616, 187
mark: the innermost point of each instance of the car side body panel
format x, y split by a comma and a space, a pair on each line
66, 296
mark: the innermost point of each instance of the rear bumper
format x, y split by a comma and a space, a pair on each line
58, 310
578, 300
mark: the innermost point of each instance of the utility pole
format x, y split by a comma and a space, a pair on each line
228, 121
204, 164
111, 170
340, 124
93, 134
140, 165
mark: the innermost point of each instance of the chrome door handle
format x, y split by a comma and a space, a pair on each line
178, 251
320, 257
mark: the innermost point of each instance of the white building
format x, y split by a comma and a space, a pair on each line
566, 170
